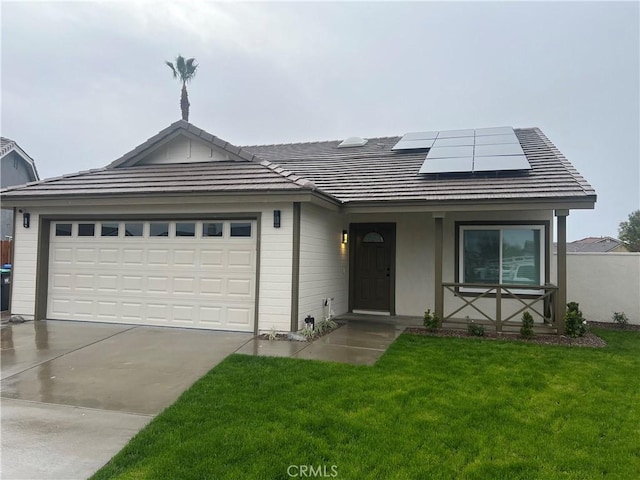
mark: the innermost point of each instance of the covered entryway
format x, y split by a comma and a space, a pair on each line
183, 273
372, 261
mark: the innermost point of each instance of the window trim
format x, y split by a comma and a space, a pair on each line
544, 226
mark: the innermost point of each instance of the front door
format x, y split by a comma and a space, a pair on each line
373, 268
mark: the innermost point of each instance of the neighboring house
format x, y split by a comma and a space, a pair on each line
597, 245
16, 168
189, 230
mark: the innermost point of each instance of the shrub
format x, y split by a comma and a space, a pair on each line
526, 330
308, 333
325, 326
273, 333
621, 319
432, 321
574, 323
475, 330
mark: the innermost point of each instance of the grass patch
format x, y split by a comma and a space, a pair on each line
430, 408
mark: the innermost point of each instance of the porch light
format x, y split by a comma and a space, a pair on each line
345, 237
26, 220
276, 219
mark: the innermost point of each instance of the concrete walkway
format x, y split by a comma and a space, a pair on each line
361, 341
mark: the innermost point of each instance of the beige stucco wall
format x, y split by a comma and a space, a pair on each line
603, 283
324, 263
274, 305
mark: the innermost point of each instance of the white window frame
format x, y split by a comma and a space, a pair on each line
501, 228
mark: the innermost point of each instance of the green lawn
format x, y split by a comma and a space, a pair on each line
430, 408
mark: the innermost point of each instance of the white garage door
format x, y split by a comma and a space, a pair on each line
198, 274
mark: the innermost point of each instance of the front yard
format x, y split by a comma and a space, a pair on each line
430, 408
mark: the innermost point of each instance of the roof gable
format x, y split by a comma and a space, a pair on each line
181, 142
7, 146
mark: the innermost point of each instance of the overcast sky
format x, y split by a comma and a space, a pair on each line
85, 82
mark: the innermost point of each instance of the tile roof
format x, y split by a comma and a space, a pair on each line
594, 244
374, 172
370, 173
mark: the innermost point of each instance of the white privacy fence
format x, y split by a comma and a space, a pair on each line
604, 283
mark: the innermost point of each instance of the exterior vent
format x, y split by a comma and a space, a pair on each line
353, 142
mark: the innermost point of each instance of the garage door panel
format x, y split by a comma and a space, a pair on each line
62, 281
108, 284
132, 256
62, 256
211, 258
109, 256
184, 286
211, 286
84, 282
202, 282
107, 311
132, 284
239, 287
85, 256
186, 258
158, 285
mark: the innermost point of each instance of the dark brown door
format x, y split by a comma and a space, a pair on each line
373, 266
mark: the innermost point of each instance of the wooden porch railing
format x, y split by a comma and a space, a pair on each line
527, 297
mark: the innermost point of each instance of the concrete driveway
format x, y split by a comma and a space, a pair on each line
74, 393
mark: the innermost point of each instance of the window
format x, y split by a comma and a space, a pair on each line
159, 229
86, 229
109, 230
63, 229
373, 237
212, 229
133, 229
185, 229
509, 254
241, 229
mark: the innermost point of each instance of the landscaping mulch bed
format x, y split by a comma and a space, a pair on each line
589, 340
286, 337
614, 326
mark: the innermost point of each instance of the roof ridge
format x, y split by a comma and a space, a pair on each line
313, 142
10, 145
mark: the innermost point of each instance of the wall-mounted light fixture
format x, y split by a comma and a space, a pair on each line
26, 220
276, 219
345, 237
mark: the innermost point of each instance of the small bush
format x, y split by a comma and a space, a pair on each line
526, 330
475, 330
308, 333
621, 319
431, 321
574, 323
273, 333
325, 326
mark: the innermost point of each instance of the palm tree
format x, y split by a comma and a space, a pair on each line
184, 70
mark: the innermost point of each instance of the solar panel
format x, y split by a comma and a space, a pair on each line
447, 165
500, 163
419, 136
413, 144
456, 133
451, 152
454, 142
496, 139
467, 150
493, 131
493, 150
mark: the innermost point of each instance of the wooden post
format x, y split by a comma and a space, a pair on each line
561, 297
499, 309
437, 260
